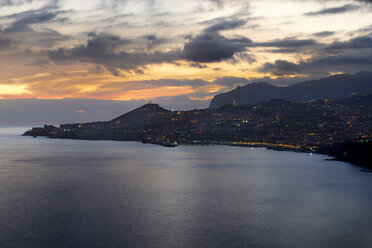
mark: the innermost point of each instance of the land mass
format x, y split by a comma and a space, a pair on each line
315, 126
333, 87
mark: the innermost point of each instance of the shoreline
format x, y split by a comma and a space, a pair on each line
276, 147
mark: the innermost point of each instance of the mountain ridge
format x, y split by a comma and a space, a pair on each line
333, 87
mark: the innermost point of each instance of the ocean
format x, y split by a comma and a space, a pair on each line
75, 193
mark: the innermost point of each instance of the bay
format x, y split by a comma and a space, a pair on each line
75, 193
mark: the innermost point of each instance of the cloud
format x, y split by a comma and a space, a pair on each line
108, 51
143, 89
198, 65
299, 46
127, 49
21, 32
14, 2
5, 43
231, 82
281, 67
324, 33
286, 43
345, 60
218, 3
284, 50
289, 45
24, 19
355, 43
210, 46
225, 25
111, 51
145, 84
39, 62
336, 10
113, 4
365, 1
342, 62
153, 41
349, 56
249, 58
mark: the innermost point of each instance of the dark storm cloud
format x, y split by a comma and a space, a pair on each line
302, 46
286, 43
210, 46
355, 43
107, 50
324, 33
349, 56
343, 62
335, 10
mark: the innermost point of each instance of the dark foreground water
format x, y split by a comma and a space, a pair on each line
70, 193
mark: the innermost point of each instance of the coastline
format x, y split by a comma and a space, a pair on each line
334, 152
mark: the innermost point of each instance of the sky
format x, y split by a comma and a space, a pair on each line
178, 53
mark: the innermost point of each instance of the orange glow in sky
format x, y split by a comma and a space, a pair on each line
134, 49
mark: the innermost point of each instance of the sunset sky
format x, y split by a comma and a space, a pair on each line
180, 51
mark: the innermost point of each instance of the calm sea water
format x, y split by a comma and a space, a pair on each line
70, 193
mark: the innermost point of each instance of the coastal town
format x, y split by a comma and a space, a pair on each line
278, 124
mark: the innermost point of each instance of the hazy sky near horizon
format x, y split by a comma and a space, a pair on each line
166, 50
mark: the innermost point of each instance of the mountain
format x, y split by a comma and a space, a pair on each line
333, 87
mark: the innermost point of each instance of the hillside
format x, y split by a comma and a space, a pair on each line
334, 87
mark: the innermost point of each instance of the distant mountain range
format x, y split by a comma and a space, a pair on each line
333, 87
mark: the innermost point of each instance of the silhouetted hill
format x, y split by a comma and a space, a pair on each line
334, 87
149, 110
144, 115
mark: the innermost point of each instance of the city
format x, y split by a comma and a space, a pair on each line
311, 126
